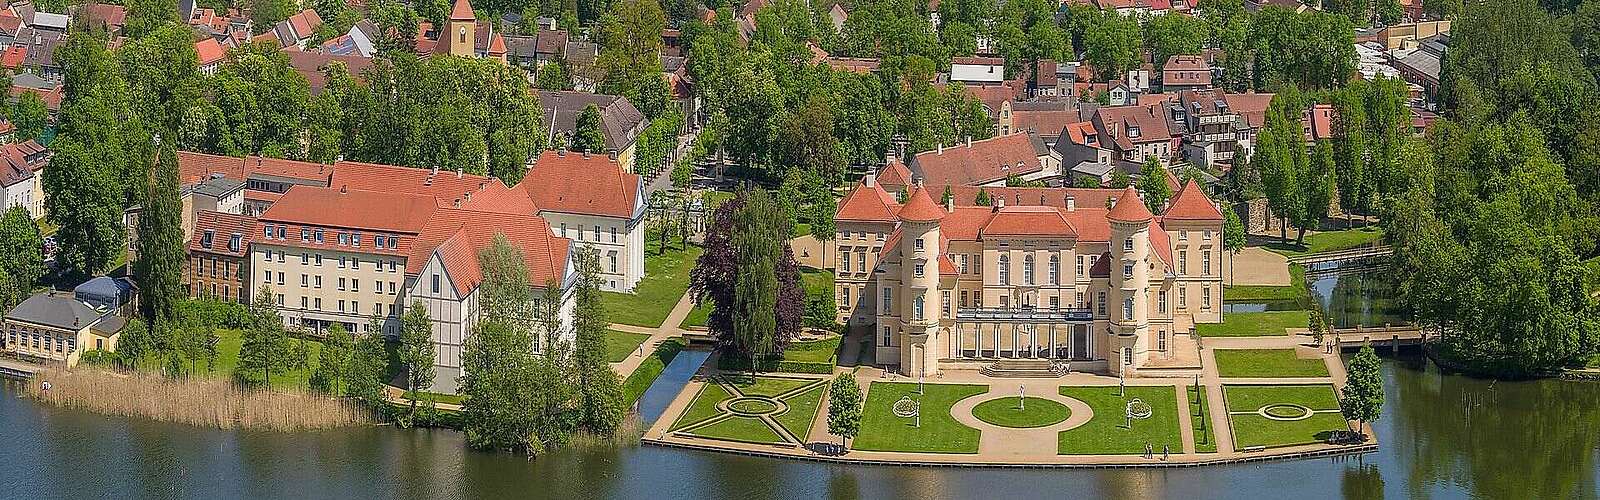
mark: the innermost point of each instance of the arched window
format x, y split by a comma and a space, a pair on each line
1005, 269
1027, 269
916, 308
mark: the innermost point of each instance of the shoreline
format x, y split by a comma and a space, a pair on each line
200, 402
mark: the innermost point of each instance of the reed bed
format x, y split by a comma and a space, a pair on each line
198, 401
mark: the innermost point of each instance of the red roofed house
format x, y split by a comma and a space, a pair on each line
988, 162
21, 174
210, 55
1183, 72
591, 200
1135, 133
219, 256
357, 258
944, 285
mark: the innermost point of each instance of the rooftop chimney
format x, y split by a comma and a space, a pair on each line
585, 155
1072, 203
950, 204
940, 149
458, 172
969, 141
999, 202
870, 180
344, 188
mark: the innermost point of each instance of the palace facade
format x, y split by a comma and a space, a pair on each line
1105, 284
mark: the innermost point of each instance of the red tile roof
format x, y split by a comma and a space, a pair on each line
867, 204
1253, 107
353, 209
1029, 221
1191, 203
223, 226
305, 23
465, 232
980, 162
196, 167
1186, 70
311, 64
1129, 208
1162, 243
965, 223
13, 56
920, 208
895, 175
462, 11
581, 184
208, 51
51, 97
448, 187
1121, 123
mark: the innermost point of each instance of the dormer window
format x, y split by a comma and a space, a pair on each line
235, 242
1133, 132
205, 239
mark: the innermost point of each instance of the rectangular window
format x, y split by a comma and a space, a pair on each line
918, 270
318, 260
1127, 309
344, 238
916, 308
944, 303
1183, 297
1081, 260
1183, 263
1183, 235
1005, 301
305, 302
341, 284
319, 235
844, 298
1127, 244
1161, 340
1127, 269
861, 262
580, 232
377, 309
1205, 262
963, 263
305, 258
916, 244
597, 233
888, 300
341, 306
355, 285
1161, 302
613, 234
613, 256
280, 278
266, 232
1079, 300
377, 240
1205, 297
888, 336
435, 280
267, 276
1100, 303
304, 281
1055, 302
844, 261
317, 303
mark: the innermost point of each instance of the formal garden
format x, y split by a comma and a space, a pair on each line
1205, 440
1154, 421
1025, 412
1267, 363
757, 410
1267, 416
888, 425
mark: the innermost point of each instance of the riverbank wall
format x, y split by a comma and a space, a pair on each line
199, 402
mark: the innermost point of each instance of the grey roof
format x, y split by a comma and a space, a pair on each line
622, 122
51, 21
59, 312
217, 187
1092, 168
671, 64
32, 81
1423, 62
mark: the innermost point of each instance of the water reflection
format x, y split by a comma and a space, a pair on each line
1443, 437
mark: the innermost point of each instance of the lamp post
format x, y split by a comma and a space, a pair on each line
922, 365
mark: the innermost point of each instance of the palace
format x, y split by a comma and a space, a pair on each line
1105, 284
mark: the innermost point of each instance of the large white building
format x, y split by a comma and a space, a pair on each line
1105, 284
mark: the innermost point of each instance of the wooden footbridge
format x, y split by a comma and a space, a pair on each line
1392, 336
1362, 253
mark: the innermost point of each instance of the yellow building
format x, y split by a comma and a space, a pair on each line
57, 329
1104, 283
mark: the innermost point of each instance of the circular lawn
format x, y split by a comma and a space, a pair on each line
1034, 412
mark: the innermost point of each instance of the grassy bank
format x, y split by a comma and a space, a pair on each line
649, 369
1295, 291
1328, 241
666, 278
1255, 324
195, 401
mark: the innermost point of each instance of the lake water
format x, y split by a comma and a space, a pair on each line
1443, 436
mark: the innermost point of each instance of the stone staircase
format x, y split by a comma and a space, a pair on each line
1020, 368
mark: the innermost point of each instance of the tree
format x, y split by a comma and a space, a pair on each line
265, 348
498, 362
599, 392
588, 136
1111, 44
749, 276
264, 14
145, 16
333, 361
1153, 185
630, 46
844, 407
982, 199
947, 197
1317, 183
1317, 325
416, 352
21, 248
1166, 36
1280, 158
364, 368
29, 116
88, 179
162, 253
1233, 236
1362, 397
554, 76
1120, 179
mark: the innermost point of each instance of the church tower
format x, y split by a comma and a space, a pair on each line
461, 31
1130, 279
919, 274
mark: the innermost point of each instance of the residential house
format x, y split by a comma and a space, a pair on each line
1135, 133
621, 123
959, 286
210, 54
1410, 35
593, 201
219, 256
1042, 118
21, 173
311, 65
296, 31
1421, 65
1185, 72
109, 17
978, 70
987, 162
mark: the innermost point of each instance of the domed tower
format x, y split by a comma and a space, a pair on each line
1130, 278
919, 274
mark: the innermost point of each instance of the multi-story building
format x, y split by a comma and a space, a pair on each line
620, 122
1135, 133
960, 286
21, 173
219, 256
359, 258
592, 201
59, 329
987, 162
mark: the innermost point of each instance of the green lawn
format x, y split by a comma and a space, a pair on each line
881, 430
1034, 412
1252, 397
697, 316
704, 405
641, 378
802, 412
814, 351
454, 399
1199, 420
620, 345
1256, 430
714, 199
1254, 324
666, 278
228, 343
743, 429
1295, 291
1328, 241
1107, 434
1267, 363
